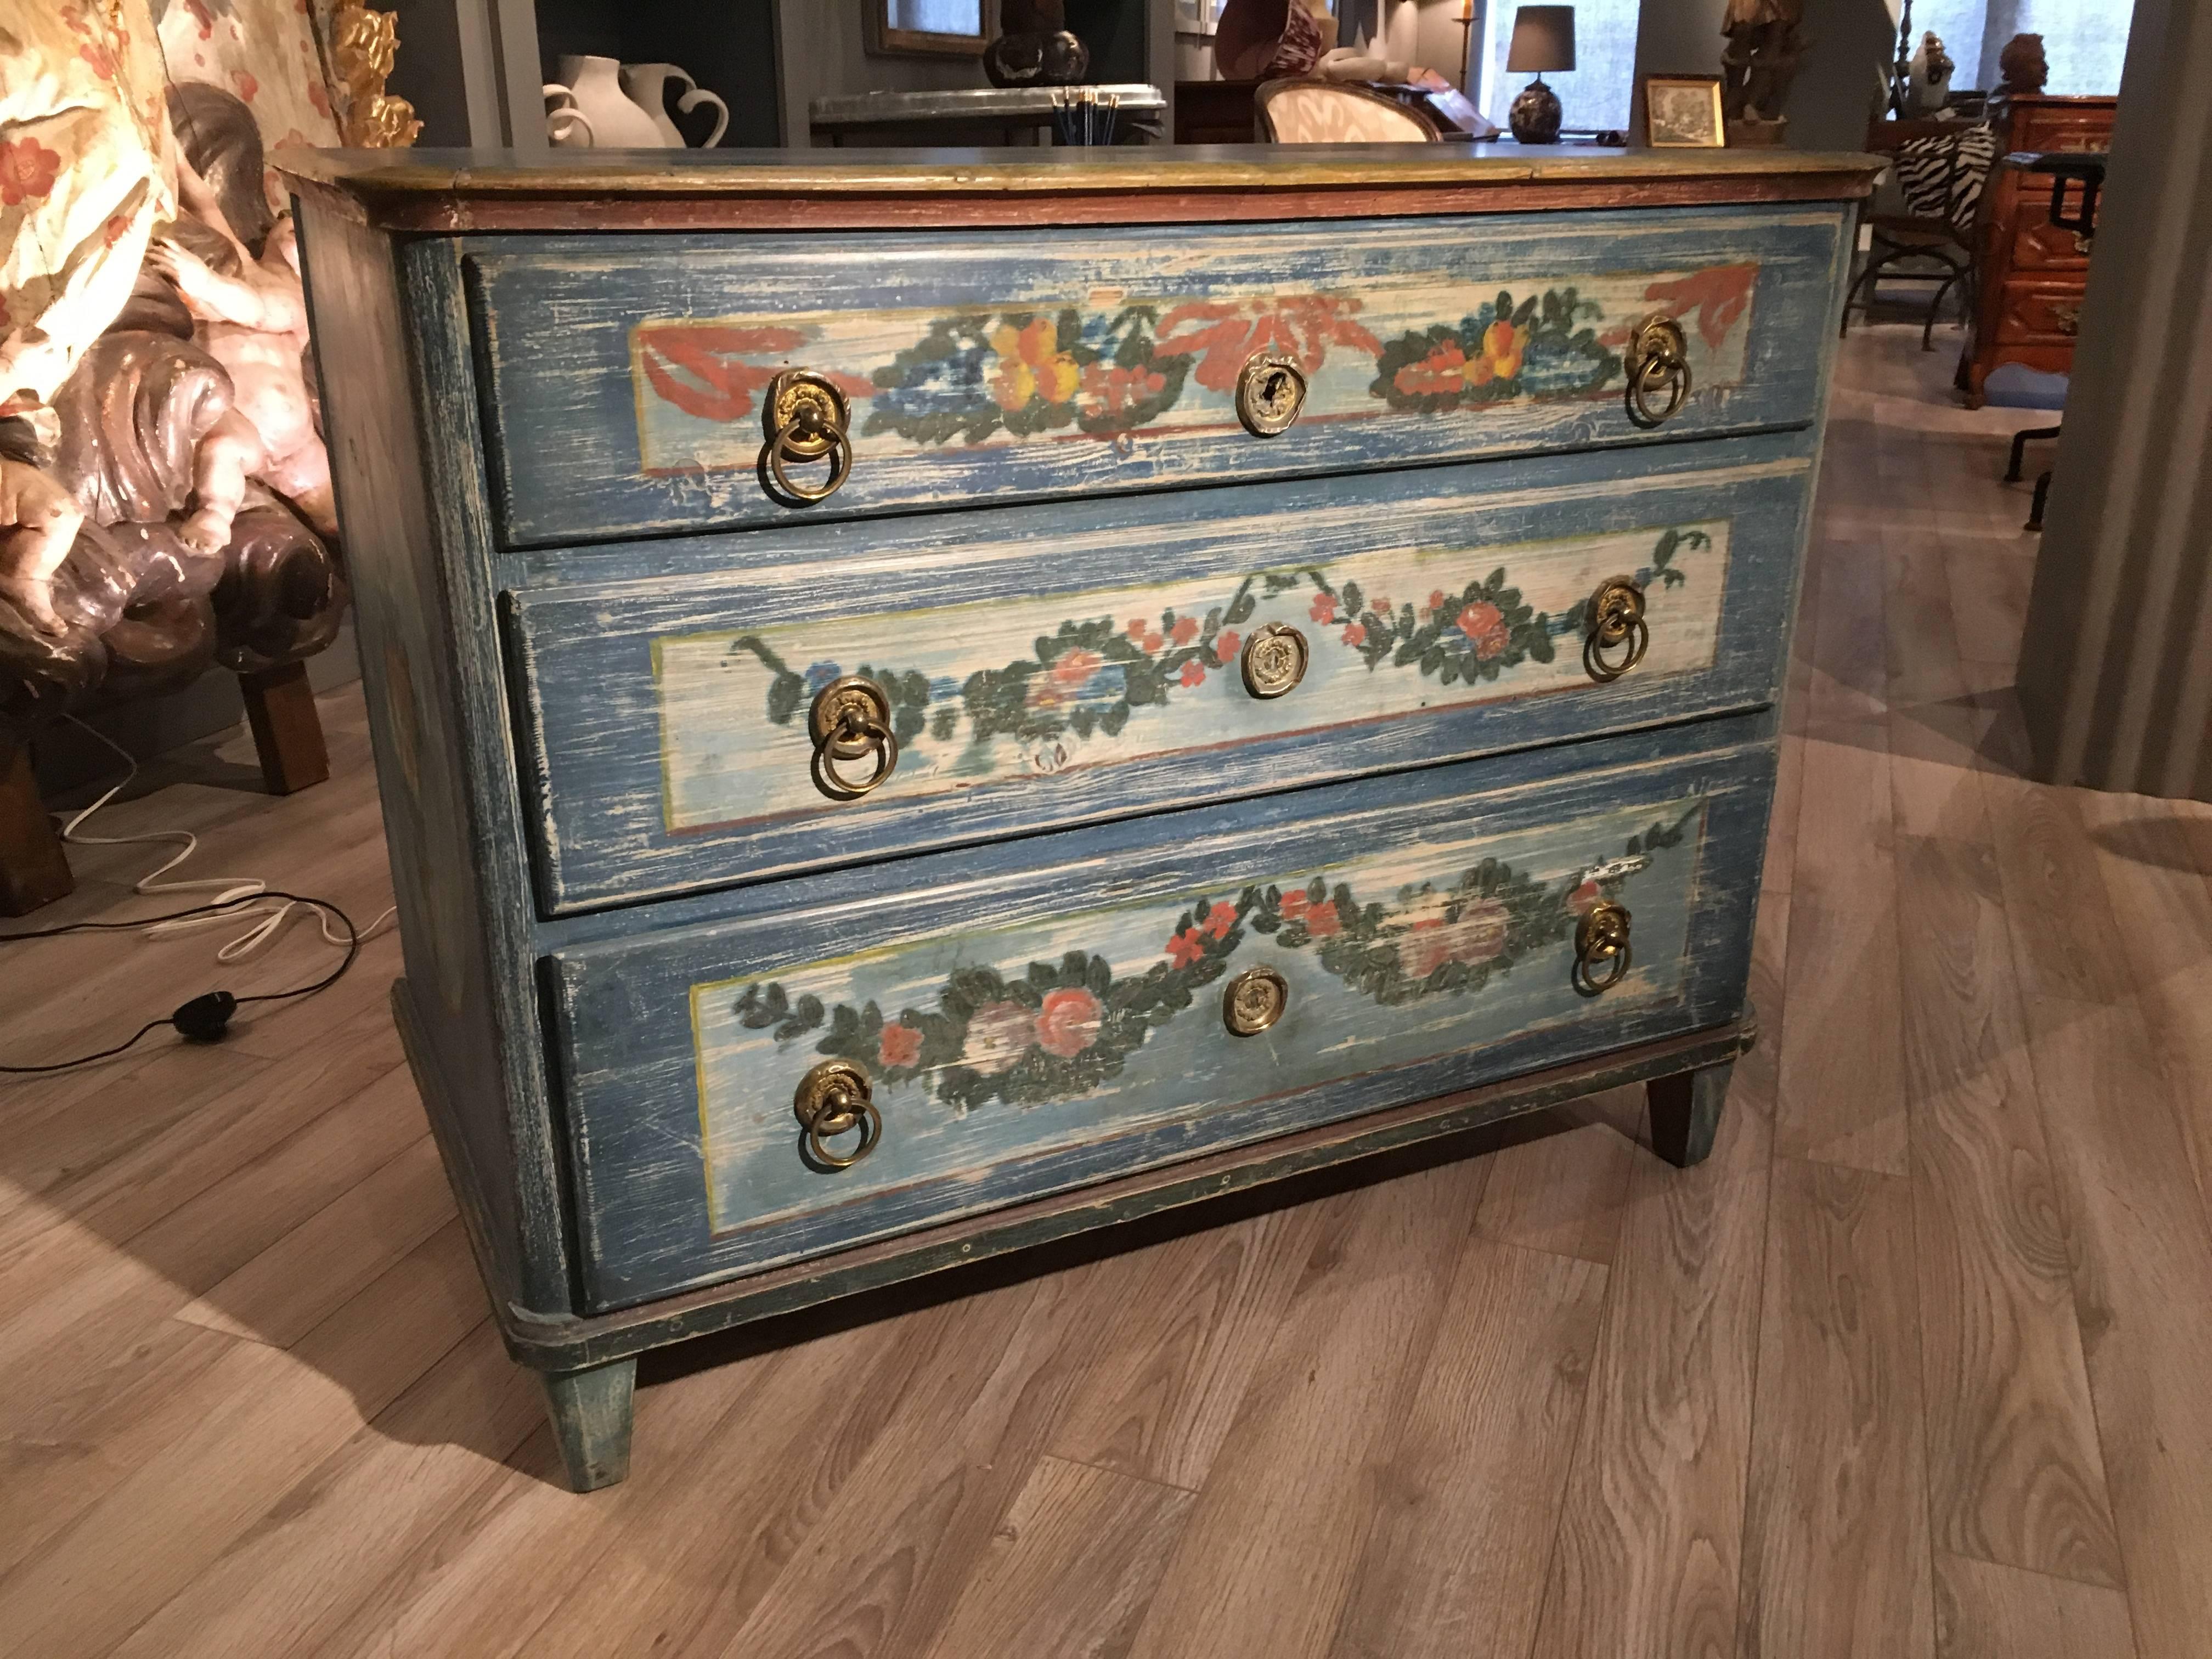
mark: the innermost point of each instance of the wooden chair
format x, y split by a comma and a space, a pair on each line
1914, 246
1317, 111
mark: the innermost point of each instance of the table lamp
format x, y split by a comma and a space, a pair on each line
1543, 39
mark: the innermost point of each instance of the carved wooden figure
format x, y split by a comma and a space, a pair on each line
165, 497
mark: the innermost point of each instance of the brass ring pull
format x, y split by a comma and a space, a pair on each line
834, 1099
1270, 393
1275, 660
806, 418
850, 720
1253, 1000
1616, 620
1658, 359
1601, 943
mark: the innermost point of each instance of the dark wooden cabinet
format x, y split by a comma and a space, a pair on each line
2031, 273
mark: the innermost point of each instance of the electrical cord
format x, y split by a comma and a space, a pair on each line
205, 1017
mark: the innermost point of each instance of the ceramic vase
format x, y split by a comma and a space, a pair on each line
594, 85
648, 86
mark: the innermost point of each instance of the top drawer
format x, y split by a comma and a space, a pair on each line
625, 374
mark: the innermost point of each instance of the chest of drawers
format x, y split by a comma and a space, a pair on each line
928, 703
2030, 275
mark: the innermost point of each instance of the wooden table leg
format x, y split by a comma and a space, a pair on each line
591, 1411
1686, 1112
34, 870
287, 734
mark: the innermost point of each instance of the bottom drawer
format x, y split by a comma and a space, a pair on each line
1053, 1011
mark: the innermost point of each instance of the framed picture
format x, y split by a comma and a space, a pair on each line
1683, 111
933, 28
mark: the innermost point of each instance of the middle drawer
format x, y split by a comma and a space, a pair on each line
1038, 667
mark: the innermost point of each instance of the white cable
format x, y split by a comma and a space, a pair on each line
235, 890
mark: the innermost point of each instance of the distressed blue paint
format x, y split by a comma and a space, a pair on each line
555, 318
594, 719
626, 1039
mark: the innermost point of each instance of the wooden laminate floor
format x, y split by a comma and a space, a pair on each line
1919, 1363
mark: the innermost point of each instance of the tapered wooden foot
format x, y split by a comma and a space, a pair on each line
34, 870
591, 1413
1686, 1112
287, 733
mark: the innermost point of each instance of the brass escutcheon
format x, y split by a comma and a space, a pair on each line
834, 1099
1657, 359
1601, 942
851, 719
1270, 393
1275, 660
1253, 1000
806, 418
1616, 613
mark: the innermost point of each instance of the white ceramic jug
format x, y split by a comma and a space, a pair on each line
648, 86
616, 123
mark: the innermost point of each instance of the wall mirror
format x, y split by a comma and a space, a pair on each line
954, 28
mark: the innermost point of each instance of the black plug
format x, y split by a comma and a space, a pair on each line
203, 1019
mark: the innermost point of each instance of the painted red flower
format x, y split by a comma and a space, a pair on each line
1219, 919
901, 1045
999, 1034
1584, 898
1225, 645
1485, 623
1321, 919
244, 85
98, 59
1137, 627
1323, 608
1381, 607
27, 168
1068, 1023
1442, 373
1074, 667
1355, 634
1437, 601
1187, 947
1477, 936
1194, 673
1185, 631
1294, 903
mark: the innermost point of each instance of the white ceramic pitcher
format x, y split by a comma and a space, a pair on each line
648, 86
595, 86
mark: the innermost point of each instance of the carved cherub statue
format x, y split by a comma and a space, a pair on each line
43, 519
252, 319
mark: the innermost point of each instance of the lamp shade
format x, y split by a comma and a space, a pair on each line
1543, 39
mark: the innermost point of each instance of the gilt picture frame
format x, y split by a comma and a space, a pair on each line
1683, 111
930, 29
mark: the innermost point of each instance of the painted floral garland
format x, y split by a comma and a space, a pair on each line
977, 374
1000, 374
1060, 1030
1089, 676
1501, 350
1434, 942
